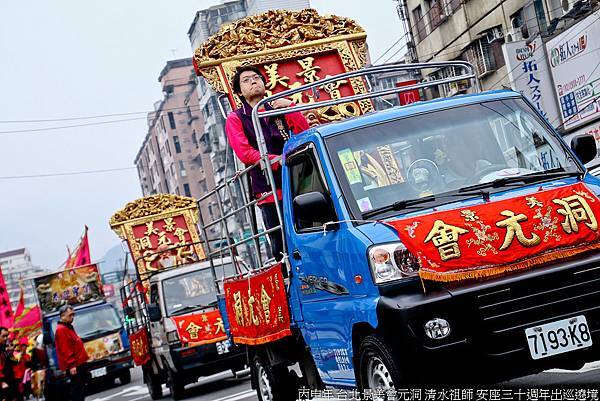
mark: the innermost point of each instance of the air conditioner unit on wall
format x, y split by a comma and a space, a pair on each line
513, 35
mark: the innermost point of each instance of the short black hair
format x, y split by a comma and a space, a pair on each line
63, 309
236, 77
3, 328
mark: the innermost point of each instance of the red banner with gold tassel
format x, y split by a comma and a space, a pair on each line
498, 237
140, 347
257, 307
200, 328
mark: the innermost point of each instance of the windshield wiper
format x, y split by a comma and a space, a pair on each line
405, 204
527, 178
190, 308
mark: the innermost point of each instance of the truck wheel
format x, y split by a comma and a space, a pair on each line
273, 383
154, 386
175, 385
125, 377
378, 370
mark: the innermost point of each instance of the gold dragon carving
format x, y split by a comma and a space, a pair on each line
271, 30
151, 205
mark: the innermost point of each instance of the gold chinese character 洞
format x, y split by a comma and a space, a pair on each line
169, 224
220, 326
309, 72
273, 77
144, 243
251, 301
513, 227
180, 234
533, 202
193, 330
238, 308
445, 239
150, 228
265, 301
576, 210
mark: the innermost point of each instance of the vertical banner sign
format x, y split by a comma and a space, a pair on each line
410, 96
161, 232
257, 307
529, 74
497, 237
291, 48
140, 347
574, 58
200, 328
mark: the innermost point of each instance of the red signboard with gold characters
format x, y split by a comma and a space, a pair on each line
140, 348
200, 328
292, 48
257, 307
497, 237
161, 232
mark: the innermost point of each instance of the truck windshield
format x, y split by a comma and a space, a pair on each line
192, 290
443, 151
92, 322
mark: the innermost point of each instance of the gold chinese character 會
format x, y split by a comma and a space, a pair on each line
265, 301
445, 239
193, 330
513, 228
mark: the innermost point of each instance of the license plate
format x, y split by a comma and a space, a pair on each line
98, 372
558, 337
223, 347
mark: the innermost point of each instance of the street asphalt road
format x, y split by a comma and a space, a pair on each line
224, 387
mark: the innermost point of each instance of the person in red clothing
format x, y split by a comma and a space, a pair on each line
6, 375
71, 352
249, 85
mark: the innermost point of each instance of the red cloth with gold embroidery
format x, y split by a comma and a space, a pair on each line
497, 237
257, 307
200, 328
140, 348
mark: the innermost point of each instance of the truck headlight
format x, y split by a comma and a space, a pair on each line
172, 336
391, 262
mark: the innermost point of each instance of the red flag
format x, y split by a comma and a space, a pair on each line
29, 323
6, 312
81, 255
21, 304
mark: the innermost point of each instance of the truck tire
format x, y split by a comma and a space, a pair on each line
273, 383
125, 377
175, 385
377, 367
153, 384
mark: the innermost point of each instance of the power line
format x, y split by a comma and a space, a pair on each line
71, 126
17, 177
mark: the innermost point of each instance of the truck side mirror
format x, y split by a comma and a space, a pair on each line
584, 147
154, 312
313, 207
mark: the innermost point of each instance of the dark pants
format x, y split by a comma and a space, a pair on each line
269, 213
78, 385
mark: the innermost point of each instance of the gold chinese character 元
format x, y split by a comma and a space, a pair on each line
512, 223
251, 301
163, 239
445, 239
576, 210
265, 301
193, 330
238, 308
220, 326
273, 77
169, 224
309, 72
180, 234
150, 228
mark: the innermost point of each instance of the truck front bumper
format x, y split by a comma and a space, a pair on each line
204, 360
488, 321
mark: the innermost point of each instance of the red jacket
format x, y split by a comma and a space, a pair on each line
69, 347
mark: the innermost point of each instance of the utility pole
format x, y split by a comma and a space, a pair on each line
411, 50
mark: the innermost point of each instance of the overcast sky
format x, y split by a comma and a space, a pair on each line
66, 59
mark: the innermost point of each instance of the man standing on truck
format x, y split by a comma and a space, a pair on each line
249, 85
71, 352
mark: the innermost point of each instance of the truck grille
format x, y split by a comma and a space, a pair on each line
506, 311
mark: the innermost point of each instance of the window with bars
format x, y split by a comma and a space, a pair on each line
419, 23
480, 54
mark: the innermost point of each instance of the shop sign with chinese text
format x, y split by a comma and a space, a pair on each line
574, 56
257, 307
497, 237
200, 328
140, 348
